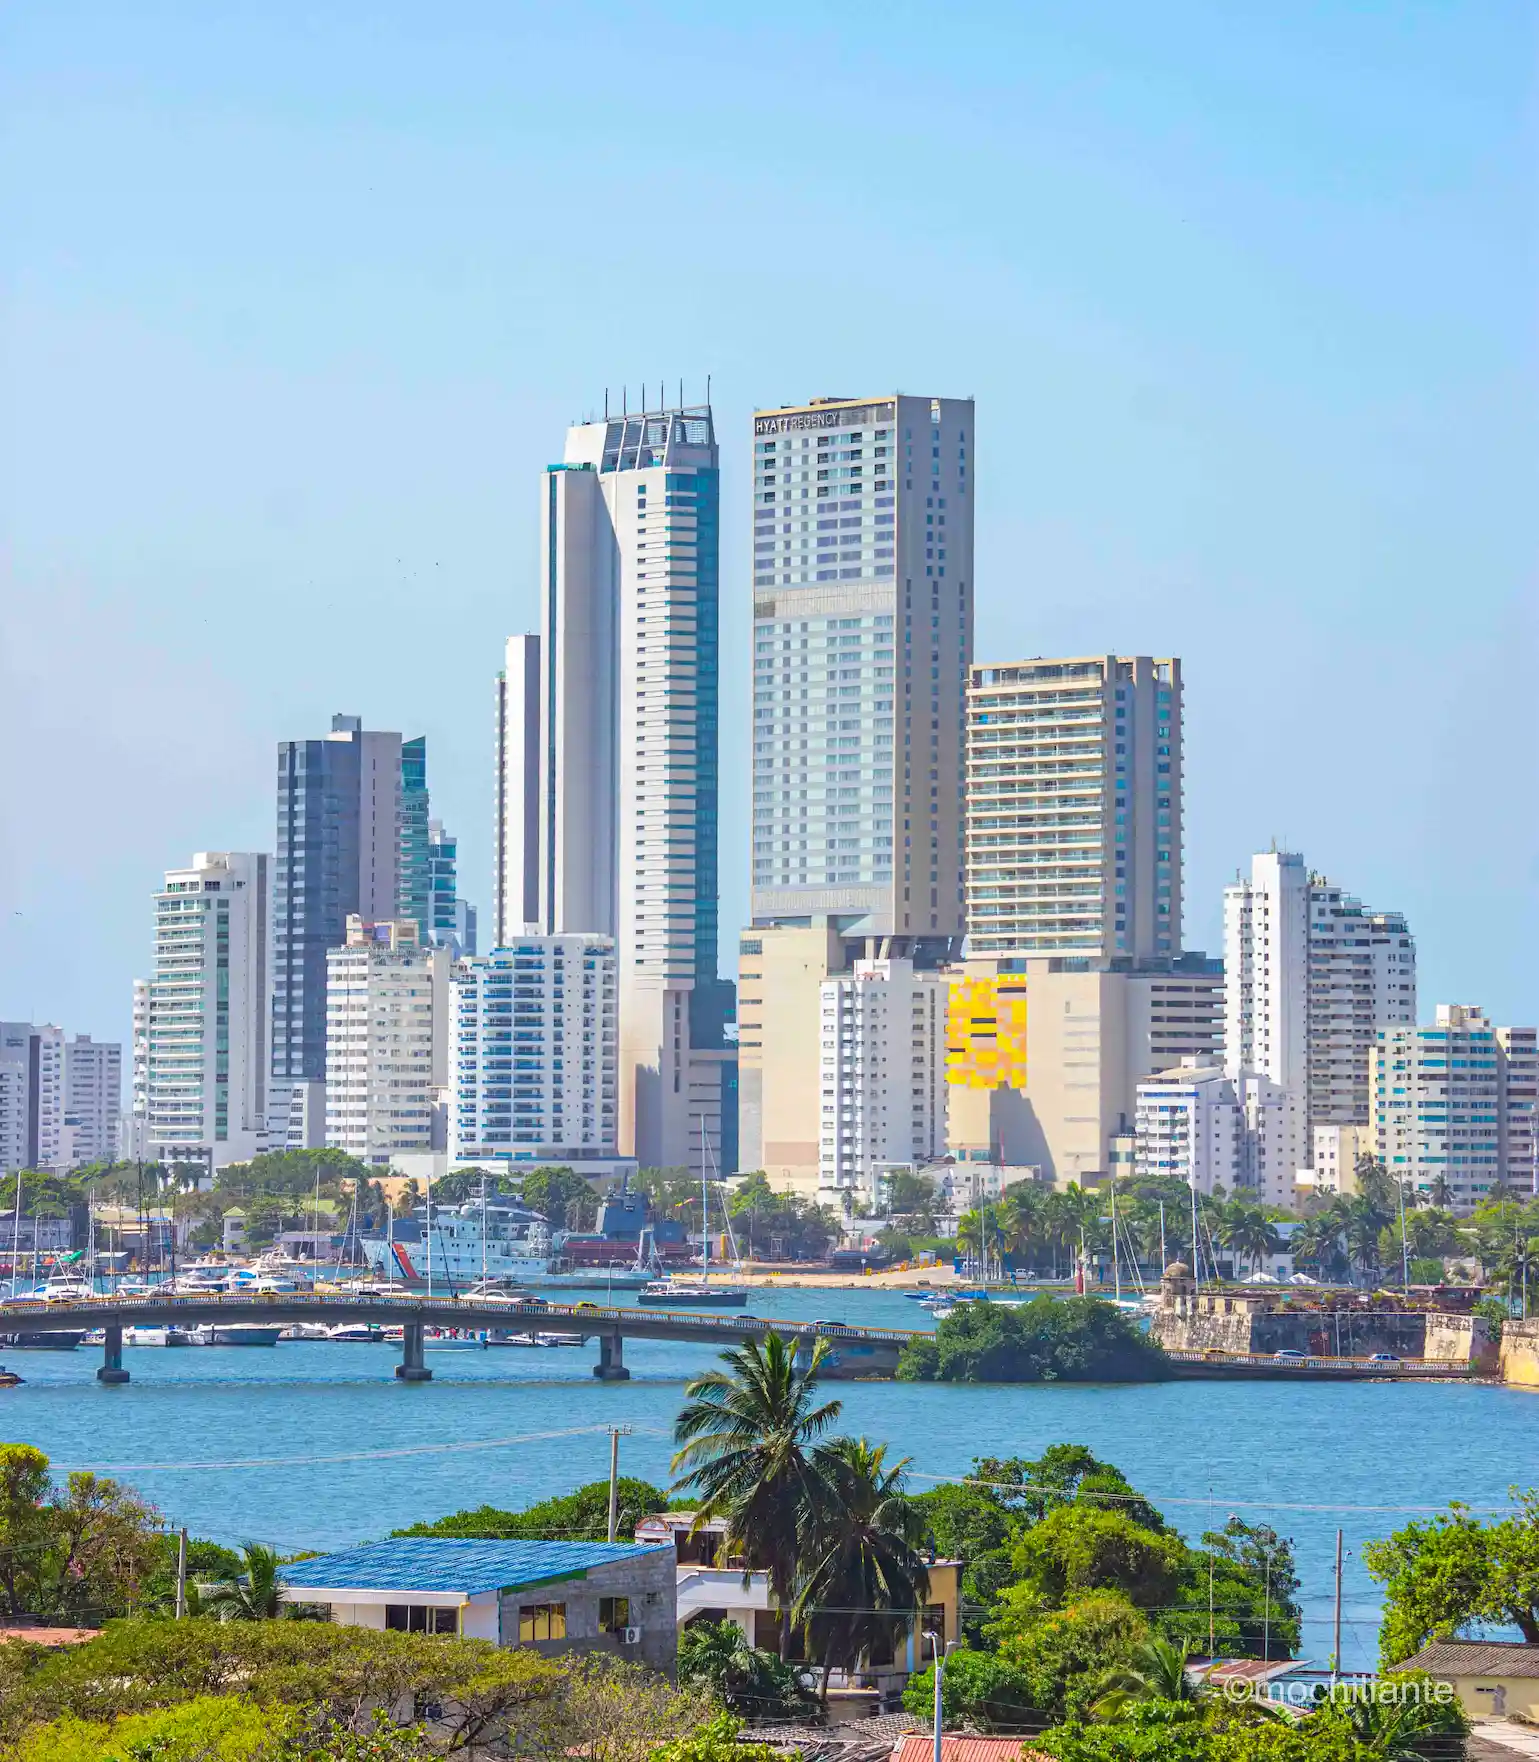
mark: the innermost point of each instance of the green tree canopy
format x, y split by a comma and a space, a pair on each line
580, 1516
1071, 1339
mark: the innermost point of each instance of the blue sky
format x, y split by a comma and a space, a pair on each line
296, 301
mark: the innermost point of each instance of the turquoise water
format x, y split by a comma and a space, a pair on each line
1304, 1457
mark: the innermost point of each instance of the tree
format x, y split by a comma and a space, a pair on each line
981, 1688
254, 1595
746, 1436
212, 1728
25, 1524
562, 1197
1156, 1671
971, 1523
1078, 1548
1075, 1339
1248, 1233
719, 1741
716, 1656
863, 1579
1457, 1572
580, 1516
912, 1196
1249, 1571
1065, 1653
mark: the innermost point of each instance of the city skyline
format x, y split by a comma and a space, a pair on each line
1206, 427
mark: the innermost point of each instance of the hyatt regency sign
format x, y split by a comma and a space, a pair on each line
836, 416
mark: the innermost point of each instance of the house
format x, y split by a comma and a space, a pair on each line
711, 1587
965, 1749
554, 1596
1493, 1679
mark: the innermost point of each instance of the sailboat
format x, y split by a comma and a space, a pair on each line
675, 1293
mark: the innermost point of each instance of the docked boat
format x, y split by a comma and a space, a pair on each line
357, 1333
304, 1330
450, 1247
626, 1247
236, 1334
166, 1336
692, 1294
453, 1340
64, 1289
54, 1340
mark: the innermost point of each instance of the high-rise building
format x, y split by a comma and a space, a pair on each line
863, 618
32, 1092
451, 920
1310, 979
93, 1098
536, 1047
387, 1042
628, 780
414, 881
207, 1046
339, 854
1451, 1105
517, 764
1199, 1125
882, 1074
133, 1127
1074, 807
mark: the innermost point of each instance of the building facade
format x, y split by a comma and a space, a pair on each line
31, 1095
339, 849
882, 1075
863, 614
132, 1128
207, 1053
387, 1042
1074, 808
1188, 1126
1311, 978
414, 885
535, 1060
1451, 1105
627, 773
451, 920
93, 1101
517, 771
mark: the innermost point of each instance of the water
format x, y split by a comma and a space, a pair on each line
1303, 1457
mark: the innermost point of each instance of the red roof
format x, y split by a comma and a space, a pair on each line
49, 1636
922, 1749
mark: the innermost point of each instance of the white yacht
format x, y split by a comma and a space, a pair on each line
455, 1246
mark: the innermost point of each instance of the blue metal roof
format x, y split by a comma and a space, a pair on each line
423, 1563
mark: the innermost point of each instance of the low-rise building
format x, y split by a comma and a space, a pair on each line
556, 1597
1493, 1678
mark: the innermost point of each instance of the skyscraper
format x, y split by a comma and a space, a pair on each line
517, 764
1311, 977
207, 1054
339, 853
31, 1095
414, 885
1074, 808
451, 921
627, 773
93, 1097
863, 608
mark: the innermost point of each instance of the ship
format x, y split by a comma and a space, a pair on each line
452, 1246
627, 1236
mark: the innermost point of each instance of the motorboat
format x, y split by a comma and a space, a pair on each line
356, 1333
692, 1294
53, 1340
9, 1378
507, 1337
236, 1334
303, 1330
453, 1340
64, 1289
255, 1284
156, 1336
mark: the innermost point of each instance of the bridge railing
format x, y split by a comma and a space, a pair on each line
1389, 1367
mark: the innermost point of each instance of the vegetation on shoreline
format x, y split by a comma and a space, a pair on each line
1063, 1339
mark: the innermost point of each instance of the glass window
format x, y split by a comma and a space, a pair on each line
542, 1621
419, 1618
614, 1614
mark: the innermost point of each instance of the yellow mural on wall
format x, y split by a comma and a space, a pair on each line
986, 1033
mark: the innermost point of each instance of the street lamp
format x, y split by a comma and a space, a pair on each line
940, 1655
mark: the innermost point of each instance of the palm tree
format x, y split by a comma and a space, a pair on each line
1363, 1220
1018, 1217
1317, 1243
1155, 1672
974, 1232
863, 1579
253, 1596
746, 1436
1439, 1192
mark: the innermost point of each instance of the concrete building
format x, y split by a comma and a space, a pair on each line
31, 1095
554, 1597
340, 832
92, 1099
516, 818
534, 1069
1452, 1104
1311, 977
1074, 808
1333, 1167
387, 1042
1188, 1126
1045, 1055
414, 884
451, 920
882, 1075
132, 1128
206, 1067
628, 703
863, 611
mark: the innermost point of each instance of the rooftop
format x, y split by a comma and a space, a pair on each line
1475, 1658
422, 1563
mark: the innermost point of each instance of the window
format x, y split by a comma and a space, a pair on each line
614, 1614
420, 1618
542, 1621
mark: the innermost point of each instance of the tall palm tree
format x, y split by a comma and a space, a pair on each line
746, 1437
863, 1579
1155, 1672
1364, 1220
251, 1597
1439, 1192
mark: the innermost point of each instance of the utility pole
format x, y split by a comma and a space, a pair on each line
181, 1575
940, 1655
614, 1478
1336, 1625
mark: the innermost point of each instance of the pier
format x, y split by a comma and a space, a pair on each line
857, 1352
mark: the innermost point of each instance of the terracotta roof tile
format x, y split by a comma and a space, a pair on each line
1476, 1658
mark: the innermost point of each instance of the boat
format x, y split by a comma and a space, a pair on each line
236, 1334
626, 1247
357, 1333
65, 1289
693, 1294
304, 1330
156, 1336
9, 1378
54, 1340
507, 1337
453, 1340
449, 1247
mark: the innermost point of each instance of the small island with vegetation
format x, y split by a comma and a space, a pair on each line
1048, 1339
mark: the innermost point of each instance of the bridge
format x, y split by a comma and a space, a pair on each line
1318, 1368
857, 1352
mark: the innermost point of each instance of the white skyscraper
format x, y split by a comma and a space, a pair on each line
133, 1126
93, 1097
534, 1073
882, 1073
31, 1095
207, 1034
1310, 979
627, 813
516, 828
387, 1042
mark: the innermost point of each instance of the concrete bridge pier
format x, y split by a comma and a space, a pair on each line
411, 1369
112, 1370
611, 1365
